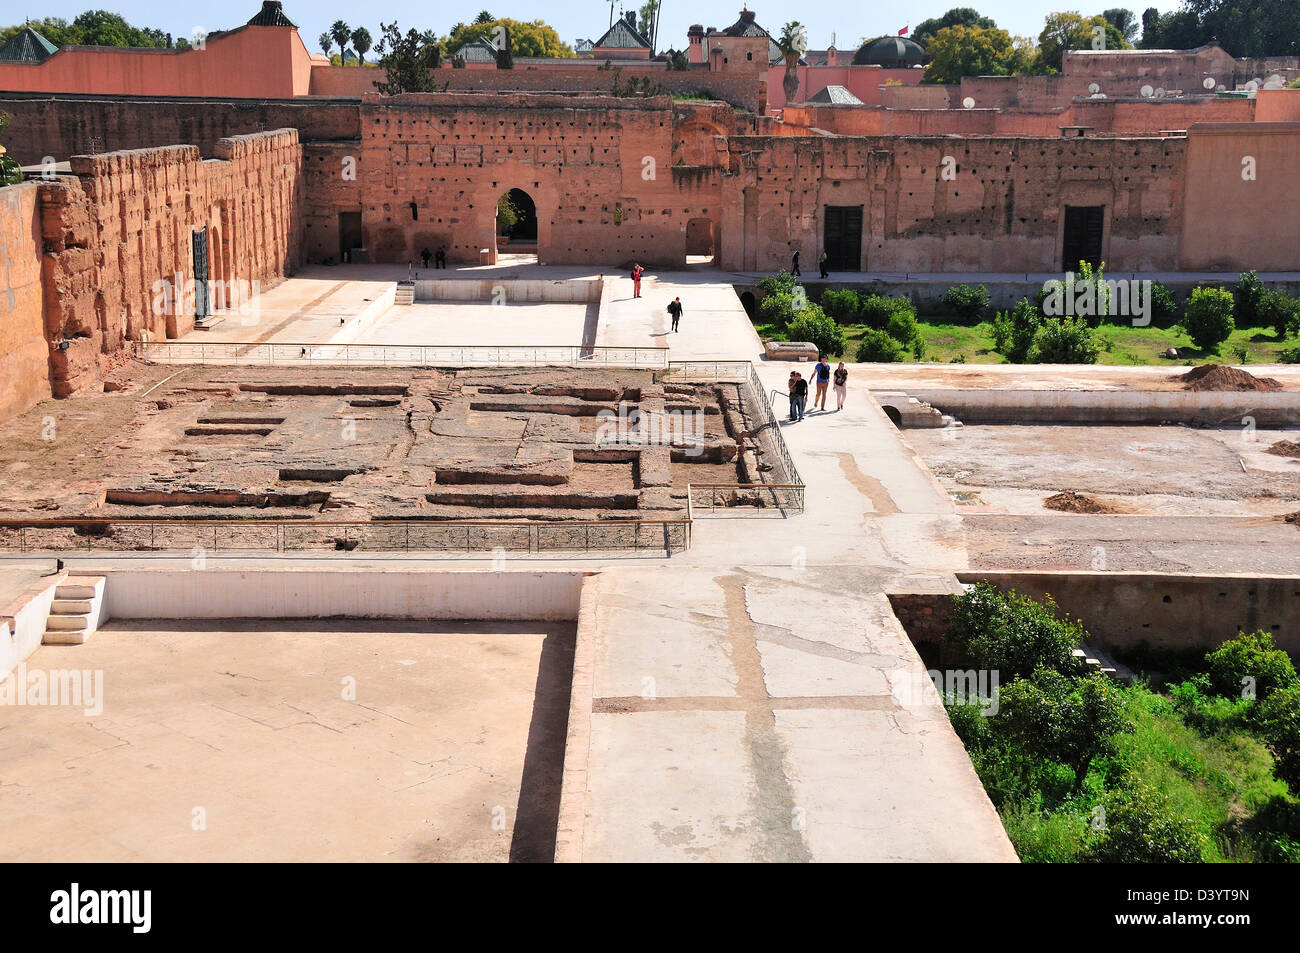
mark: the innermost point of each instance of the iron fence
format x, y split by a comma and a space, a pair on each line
280, 354
200, 537
735, 496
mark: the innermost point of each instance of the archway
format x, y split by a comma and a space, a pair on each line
894, 416
516, 218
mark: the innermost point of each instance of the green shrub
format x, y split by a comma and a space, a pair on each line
1066, 341
1138, 825
777, 308
1245, 299
1068, 720
813, 325
1249, 661
1013, 634
1014, 331
1278, 721
781, 283
876, 310
902, 326
1209, 714
11, 173
1290, 356
841, 305
1164, 311
1208, 317
1279, 312
967, 301
879, 347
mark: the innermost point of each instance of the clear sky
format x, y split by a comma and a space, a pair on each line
848, 23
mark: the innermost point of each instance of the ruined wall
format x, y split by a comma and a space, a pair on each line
124, 221
331, 186
1241, 189
1002, 211
1125, 72
24, 355
63, 126
601, 172
579, 77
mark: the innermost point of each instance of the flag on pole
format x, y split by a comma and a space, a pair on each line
903, 31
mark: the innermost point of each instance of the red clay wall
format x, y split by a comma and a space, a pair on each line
124, 220
601, 172
62, 127
254, 62
581, 77
1002, 212
1233, 222
23, 351
865, 82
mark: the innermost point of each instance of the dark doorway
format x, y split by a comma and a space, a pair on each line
843, 237
1082, 238
202, 301
517, 217
349, 234
700, 241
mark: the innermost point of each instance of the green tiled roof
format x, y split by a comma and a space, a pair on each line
27, 46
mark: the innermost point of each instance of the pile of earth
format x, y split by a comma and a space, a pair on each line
1293, 519
1071, 502
1285, 448
1223, 377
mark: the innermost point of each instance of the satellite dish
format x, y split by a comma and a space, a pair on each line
1252, 86
1146, 92
1274, 82
1209, 82
1094, 88
968, 102
1160, 91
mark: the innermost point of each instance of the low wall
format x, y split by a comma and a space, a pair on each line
542, 596
1123, 610
517, 291
1208, 408
22, 623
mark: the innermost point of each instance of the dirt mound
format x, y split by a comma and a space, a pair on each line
1285, 448
1071, 502
1223, 377
1293, 519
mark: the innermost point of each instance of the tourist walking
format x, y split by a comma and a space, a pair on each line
822, 264
440, 260
675, 309
841, 380
425, 255
800, 393
794, 401
637, 271
822, 376
794, 264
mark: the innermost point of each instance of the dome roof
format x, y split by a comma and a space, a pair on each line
889, 51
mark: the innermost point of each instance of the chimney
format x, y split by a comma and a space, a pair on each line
630, 16
831, 56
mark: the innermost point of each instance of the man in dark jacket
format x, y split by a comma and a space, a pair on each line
675, 309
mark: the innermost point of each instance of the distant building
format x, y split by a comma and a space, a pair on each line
622, 41
27, 46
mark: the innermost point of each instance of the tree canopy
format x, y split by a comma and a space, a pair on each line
958, 51
958, 16
535, 38
92, 28
1244, 28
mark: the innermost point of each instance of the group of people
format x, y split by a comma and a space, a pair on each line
440, 258
675, 308
821, 376
823, 264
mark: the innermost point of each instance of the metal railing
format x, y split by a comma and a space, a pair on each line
711, 496
769, 423
733, 371
279, 354
200, 537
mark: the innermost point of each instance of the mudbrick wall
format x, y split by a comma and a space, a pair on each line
937, 203
122, 223
24, 356
73, 125
600, 171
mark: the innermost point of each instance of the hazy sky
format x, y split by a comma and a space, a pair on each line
574, 18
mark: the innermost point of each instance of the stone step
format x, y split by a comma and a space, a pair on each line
74, 591
67, 623
71, 607
65, 637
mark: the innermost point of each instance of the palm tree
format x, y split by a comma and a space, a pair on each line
326, 41
341, 33
484, 17
361, 42
792, 42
